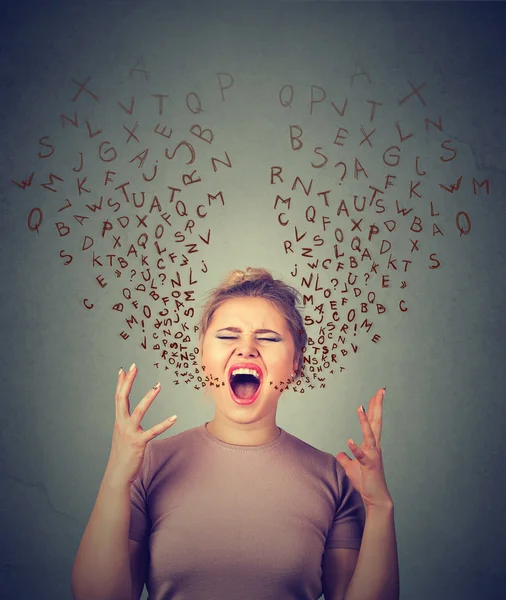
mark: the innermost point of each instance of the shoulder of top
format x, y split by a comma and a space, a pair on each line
309, 449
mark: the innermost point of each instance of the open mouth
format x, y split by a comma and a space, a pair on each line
244, 386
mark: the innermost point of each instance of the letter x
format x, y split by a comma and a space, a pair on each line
415, 91
82, 87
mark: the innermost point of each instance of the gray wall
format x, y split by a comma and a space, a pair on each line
442, 360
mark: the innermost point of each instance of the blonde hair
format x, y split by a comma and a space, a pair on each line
259, 283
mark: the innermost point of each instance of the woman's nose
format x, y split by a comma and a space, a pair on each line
247, 348
248, 353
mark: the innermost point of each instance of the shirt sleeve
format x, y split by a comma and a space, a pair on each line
140, 522
349, 520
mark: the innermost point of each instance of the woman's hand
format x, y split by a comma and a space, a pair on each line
129, 440
366, 473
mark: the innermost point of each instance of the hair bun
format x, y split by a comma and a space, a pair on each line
237, 277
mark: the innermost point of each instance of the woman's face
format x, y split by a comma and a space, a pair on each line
273, 351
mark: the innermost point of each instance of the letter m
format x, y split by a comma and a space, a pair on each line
283, 200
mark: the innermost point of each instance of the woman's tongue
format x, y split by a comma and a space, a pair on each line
245, 390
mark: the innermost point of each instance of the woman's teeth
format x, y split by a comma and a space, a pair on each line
245, 372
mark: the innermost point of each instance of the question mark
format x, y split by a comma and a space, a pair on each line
335, 285
367, 276
133, 273
165, 277
344, 172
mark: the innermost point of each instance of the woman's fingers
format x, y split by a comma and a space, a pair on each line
125, 381
160, 428
367, 432
140, 410
121, 379
121, 374
123, 388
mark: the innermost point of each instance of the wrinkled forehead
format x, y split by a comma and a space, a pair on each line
249, 313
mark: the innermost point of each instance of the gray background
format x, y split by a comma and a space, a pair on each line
442, 361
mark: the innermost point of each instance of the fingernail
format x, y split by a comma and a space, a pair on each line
156, 386
120, 369
131, 368
362, 409
384, 391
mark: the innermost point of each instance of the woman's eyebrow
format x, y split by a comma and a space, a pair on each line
238, 330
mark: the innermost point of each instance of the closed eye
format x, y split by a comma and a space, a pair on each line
223, 337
